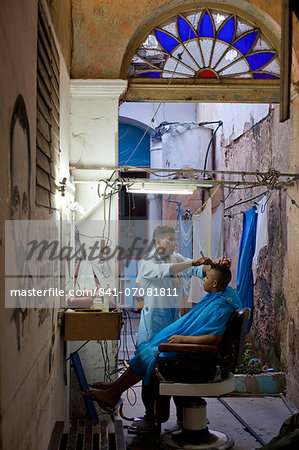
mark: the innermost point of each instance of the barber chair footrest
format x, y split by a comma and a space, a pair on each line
141, 425
196, 440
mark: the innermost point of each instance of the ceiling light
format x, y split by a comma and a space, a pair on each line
152, 186
165, 190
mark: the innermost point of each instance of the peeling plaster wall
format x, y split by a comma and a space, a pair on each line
237, 118
291, 283
263, 146
32, 385
102, 29
252, 139
111, 25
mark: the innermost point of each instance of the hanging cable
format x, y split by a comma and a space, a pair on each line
292, 200
202, 206
220, 123
247, 200
291, 177
224, 200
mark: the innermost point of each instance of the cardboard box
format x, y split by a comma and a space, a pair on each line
87, 325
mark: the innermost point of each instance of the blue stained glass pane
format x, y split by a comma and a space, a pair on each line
185, 30
245, 43
206, 26
265, 75
166, 41
227, 31
258, 60
148, 74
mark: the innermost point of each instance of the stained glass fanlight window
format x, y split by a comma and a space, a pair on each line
205, 44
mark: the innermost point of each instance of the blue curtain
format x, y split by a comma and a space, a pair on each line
246, 253
129, 137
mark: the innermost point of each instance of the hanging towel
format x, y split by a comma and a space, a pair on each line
217, 232
261, 231
246, 252
186, 248
201, 242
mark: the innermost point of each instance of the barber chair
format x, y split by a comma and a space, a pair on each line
203, 371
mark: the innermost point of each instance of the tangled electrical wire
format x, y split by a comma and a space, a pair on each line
123, 350
270, 179
111, 188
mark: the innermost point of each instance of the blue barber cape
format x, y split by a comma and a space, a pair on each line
209, 316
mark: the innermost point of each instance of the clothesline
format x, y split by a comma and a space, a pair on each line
240, 202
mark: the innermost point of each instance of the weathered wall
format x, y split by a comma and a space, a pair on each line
265, 143
31, 350
291, 281
237, 118
102, 30
261, 147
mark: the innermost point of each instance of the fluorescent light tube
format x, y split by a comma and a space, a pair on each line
153, 186
164, 190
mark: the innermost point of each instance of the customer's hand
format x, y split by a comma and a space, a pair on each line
176, 339
223, 260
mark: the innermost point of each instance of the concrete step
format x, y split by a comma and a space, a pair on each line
82, 434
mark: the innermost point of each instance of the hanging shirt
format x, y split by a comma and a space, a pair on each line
162, 293
209, 316
261, 231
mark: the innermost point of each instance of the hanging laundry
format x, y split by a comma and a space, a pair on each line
217, 228
261, 231
186, 246
246, 252
201, 243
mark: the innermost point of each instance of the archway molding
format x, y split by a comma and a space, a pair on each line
203, 90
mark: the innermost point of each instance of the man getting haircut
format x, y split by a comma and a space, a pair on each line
205, 323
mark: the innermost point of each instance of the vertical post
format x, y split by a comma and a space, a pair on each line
94, 143
286, 59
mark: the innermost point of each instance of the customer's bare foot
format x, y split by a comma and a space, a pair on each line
103, 398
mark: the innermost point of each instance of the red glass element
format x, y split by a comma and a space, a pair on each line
206, 73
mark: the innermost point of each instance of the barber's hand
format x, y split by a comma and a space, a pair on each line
202, 261
223, 260
176, 339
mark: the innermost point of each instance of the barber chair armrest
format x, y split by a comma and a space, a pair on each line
188, 348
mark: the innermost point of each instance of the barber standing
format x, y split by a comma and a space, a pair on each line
159, 278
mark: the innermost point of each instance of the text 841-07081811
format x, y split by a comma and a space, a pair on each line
140, 292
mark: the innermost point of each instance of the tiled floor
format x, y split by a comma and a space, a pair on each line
264, 414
